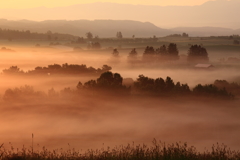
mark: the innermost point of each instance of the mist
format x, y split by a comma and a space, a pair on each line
116, 121
96, 120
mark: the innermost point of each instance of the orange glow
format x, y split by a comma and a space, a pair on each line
56, 3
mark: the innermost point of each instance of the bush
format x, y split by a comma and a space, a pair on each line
24, 93
211, 90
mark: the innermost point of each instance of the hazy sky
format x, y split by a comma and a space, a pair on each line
56, 3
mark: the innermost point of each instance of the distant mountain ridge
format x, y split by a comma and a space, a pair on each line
102, 28
109, 28
220, 13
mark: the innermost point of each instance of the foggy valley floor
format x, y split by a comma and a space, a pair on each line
93, 122
90, 122
111, 89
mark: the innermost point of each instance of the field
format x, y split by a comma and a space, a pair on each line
96, 121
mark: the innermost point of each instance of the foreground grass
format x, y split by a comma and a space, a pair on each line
157, 151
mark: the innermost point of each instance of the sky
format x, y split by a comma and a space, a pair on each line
58, 3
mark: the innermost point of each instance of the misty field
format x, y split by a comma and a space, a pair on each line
96, 121
112, 121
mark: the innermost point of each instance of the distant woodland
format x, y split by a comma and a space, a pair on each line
111, 84
16, 34
57, 69
196, 53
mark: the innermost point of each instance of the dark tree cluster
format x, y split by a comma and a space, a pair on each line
94, 45
133, 53
210, 90
231, 87
160, 86
57, 69
119, 35
89, 35
149, 54
13, 70
112, 84
23, 94
197, 53
16, 34
80, 40
107, 82
128, 41
167, 87
163, 53
115, 52
179, 35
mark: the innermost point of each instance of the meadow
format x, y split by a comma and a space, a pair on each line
98, 121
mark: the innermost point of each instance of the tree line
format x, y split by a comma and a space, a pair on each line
27, 34
178, 35
112, 84
57, 69
196, 53
232, 87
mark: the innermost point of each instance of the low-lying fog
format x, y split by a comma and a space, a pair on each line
29, 58
115, 121
92, 122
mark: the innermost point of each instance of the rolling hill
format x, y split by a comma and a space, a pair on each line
220, 13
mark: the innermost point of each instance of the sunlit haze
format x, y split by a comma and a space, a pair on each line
112, 75
57, 3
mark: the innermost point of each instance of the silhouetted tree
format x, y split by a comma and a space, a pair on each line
162, 53
13, 70
169, 84
90, 84
231, 87
162, 50
173, 51
133, 53
181, 88
144, 84
108, 79
52, 93
211, 90
108, 82
167, 53
95, 45
79, 85
115, 53
106, 68
184, 34
89, 35
160, 87
23, 93
69, 69
197, 53
80, 40
149, 54
119, 35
